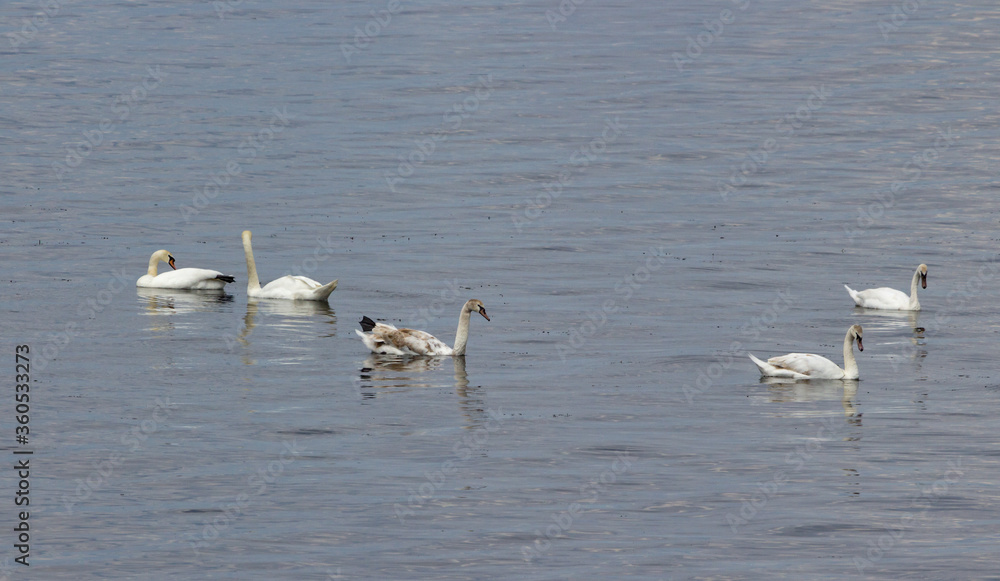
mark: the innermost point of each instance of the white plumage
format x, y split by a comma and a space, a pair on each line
890, 298
288, 287
385, 339
182, 279
811, 366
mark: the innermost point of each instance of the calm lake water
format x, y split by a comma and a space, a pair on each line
640, 195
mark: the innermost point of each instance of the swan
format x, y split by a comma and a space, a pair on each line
809, 366
185, 278
384, 339
288, 287
890, 298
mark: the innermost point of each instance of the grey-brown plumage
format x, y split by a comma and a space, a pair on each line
385, 339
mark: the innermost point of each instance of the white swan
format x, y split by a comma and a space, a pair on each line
384, 339
185, 278
890, 298
809, 366
288, 287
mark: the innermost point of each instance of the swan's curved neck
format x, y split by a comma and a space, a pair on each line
253, 283
153, 261
850, 364
914, 303
462, 335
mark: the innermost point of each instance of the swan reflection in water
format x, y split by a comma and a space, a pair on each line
893, 323
164, 303
296, 317
784, 390
383, 374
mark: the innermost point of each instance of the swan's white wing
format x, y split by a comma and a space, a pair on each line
808, 364
296, 288
768, 370
187, 278
882, 298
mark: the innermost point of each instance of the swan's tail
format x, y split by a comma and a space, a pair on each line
761, 365
854, 294
367, 324
323, 292
226, 278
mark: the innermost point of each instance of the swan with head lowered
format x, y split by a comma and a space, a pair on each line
890, 298
385, 339
810, 366
288, 287
181, 279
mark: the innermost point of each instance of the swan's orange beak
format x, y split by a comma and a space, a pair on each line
923, 280
171, 263
482, 311
860, 346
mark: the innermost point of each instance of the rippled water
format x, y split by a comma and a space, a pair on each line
635, 209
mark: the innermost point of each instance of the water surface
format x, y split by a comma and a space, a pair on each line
606, 422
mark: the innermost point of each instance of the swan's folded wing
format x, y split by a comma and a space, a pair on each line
807, 364
303, 282
410, 340
191, 278
424, 343
883, 298
290, 284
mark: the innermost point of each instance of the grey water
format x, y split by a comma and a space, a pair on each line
640, 194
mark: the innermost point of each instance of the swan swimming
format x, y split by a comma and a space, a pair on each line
184, 278
385, 339
810, 366
890, 298
288, 287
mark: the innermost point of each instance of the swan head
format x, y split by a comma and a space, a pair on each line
922, 269
164, 256
857, 332
476, 306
